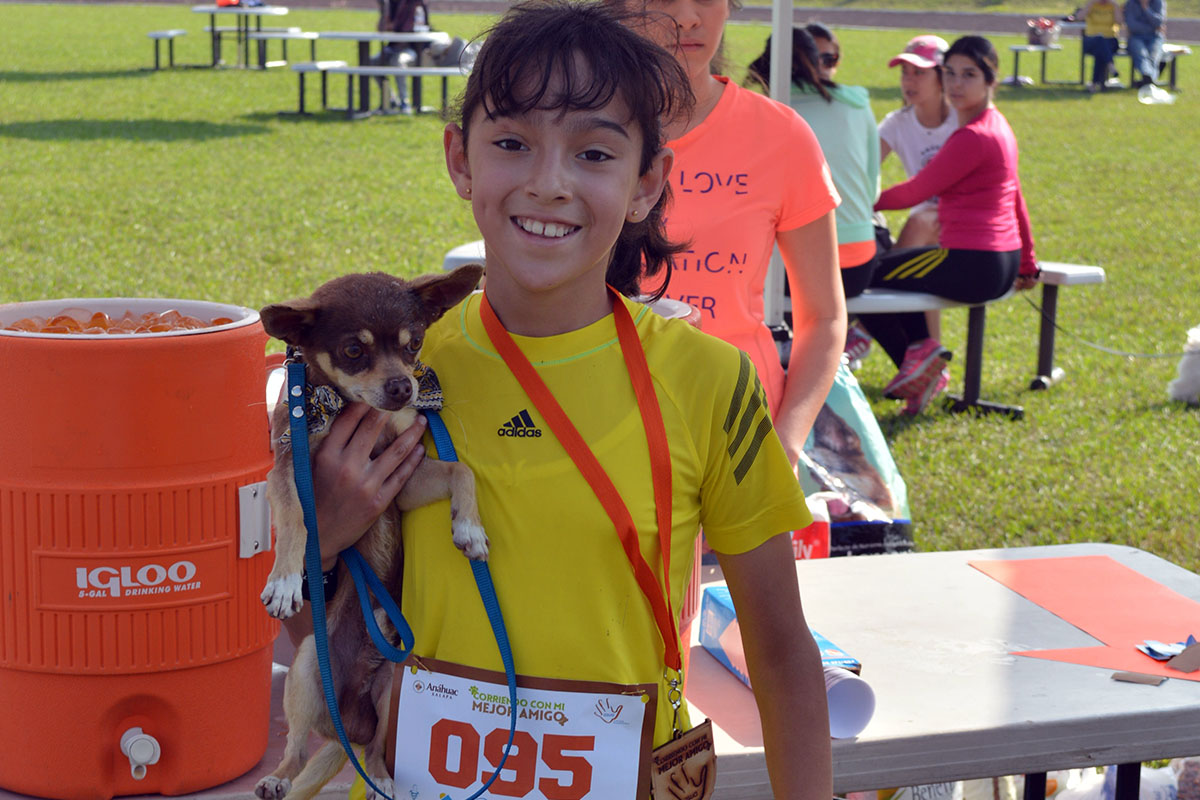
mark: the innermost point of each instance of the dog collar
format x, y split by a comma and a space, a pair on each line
429, 389
323, 403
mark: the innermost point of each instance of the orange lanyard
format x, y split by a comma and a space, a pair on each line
659, 596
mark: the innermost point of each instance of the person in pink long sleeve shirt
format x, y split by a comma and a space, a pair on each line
985, 245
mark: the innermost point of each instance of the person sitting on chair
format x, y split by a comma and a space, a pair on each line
1146, 21
399, 16
1102, 20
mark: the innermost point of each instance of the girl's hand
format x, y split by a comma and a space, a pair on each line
352, 489
1026, 282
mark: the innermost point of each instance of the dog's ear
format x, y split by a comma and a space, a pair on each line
440, 293
289, 321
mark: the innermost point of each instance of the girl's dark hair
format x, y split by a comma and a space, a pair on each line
979, 50
805, 73
819, 31
564, 55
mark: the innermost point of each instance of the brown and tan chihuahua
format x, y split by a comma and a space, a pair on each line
360, 337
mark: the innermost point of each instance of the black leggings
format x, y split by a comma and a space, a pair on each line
967, 276
856, 279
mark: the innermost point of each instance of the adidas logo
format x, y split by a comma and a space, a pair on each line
520, 426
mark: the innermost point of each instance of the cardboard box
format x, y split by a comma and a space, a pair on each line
721, 636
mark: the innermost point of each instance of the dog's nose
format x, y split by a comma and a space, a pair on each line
399, 389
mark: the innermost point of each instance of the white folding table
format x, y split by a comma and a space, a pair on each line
935, 638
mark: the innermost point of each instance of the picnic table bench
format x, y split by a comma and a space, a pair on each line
169, 37
363, 106
283, 36
875, 301
1171, 54
303, 68
243, 27
1054, 275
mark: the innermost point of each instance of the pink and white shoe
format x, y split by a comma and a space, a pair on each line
858, 344
917, 403
923, 362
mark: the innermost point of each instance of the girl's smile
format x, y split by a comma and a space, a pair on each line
548, 230
551, 191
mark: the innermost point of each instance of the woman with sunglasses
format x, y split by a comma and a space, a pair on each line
985, 243
829, 52
842, 120
749, 175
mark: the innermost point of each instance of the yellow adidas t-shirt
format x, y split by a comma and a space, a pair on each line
571, 604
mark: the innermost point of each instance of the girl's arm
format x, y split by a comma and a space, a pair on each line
785, 669
1029, 268
885, 149
958, 157
352, 489
818, 327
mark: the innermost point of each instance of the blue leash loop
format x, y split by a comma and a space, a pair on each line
366, 582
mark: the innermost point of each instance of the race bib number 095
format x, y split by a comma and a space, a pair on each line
574, 739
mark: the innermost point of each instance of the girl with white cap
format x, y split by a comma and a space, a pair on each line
914, 133
918, 130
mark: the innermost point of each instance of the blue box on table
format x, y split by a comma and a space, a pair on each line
721, 636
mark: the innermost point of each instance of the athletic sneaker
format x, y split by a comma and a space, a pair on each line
917, 403
923, 361
858, 344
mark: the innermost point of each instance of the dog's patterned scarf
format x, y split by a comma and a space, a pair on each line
323, 403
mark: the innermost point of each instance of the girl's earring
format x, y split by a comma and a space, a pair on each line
468, 191
633, 215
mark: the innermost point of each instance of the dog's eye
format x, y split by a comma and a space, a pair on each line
352, 351
414, 344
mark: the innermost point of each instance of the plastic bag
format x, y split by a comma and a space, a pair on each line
1089, 786
951, 790
1000, 788
846, 460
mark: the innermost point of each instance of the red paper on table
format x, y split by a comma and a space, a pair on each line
1107, 600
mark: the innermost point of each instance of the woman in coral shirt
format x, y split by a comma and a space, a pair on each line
749, 175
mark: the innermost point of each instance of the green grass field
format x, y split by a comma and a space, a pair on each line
118, 181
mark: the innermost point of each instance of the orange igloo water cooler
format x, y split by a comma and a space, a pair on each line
135, 656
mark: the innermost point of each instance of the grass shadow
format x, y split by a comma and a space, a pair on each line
1010, 94
157, 130
332, 116
312, 116
24, 76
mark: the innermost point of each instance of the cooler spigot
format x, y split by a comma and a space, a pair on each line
141, 749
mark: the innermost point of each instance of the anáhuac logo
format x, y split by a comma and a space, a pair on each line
441, 690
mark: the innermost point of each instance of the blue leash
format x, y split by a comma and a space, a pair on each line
367, 582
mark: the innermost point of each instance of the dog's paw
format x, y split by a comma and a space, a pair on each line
282, 596
385, 785
272, 788
470, 539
